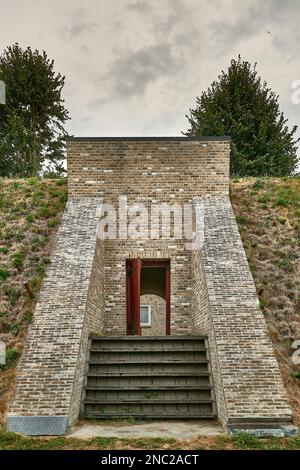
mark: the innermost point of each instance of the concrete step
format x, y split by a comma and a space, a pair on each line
145, 362
147, 401
177, 394
149, 342
154, 387
158, 416
148, 377
154, 407
145, 349
149, 374
150, 380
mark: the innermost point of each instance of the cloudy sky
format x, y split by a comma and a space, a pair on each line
135, 67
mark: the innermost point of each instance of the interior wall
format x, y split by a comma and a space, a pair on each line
158, 315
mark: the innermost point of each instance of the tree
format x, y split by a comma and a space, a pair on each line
240, 105
32, 134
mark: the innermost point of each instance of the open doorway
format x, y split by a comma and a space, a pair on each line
148, 282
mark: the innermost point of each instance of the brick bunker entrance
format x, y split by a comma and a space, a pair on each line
89, 353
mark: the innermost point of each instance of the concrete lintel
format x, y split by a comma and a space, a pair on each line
38, 425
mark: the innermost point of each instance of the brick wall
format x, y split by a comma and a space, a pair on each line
158, 315
70, 307
248, 385
147, 171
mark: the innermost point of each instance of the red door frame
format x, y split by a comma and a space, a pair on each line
133, 289
133, 281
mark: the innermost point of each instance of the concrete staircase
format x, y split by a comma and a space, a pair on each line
148, 377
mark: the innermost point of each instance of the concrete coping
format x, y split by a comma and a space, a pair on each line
212, 138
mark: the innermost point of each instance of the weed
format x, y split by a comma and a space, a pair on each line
248, 441
264, 198
28, 317
280, 201
284, 264
13, 294
32, 181
263, 303
259, 184
61, 182
241, 219
30, 218
4, 274
40, 270
18, 260
11, 356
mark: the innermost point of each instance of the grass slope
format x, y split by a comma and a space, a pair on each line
268, 215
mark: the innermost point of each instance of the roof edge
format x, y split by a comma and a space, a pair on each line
218, 138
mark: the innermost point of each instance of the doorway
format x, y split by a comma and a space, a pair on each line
146, 277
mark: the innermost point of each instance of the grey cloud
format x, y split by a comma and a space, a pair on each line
279, 10
141, 6
161, 22
258, 17
130, 73
227, 34
78, 25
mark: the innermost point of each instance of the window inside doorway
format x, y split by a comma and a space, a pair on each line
145, 315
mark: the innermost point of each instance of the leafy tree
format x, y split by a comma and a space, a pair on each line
32, 134
239, 104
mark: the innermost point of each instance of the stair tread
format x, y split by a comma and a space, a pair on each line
99, 362
150, 387
147, 401
151, 415
148, 338
152, 374
131, 350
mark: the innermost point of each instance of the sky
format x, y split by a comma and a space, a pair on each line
135, 67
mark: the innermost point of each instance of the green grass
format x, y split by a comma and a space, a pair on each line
241, 219
11, 441
18, 259
259, 184
264, 198
13, 294
11, 357
4, 274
